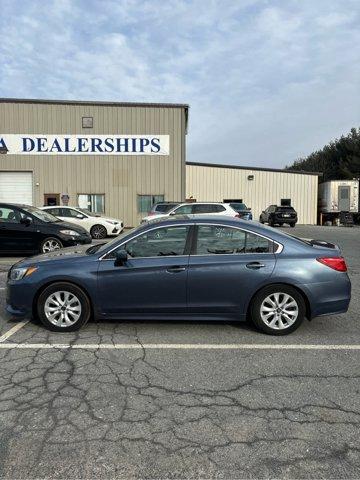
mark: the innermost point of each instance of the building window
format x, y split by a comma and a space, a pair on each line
87, 122
94, 202
145, 202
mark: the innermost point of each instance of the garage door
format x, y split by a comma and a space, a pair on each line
16, 187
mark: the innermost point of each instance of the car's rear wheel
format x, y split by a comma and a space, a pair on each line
98, 232
292, 225
50, 244
278, 309
63, 307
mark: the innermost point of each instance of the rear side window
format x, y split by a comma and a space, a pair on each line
208, 208
217, 240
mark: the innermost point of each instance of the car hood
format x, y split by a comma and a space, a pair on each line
69, 253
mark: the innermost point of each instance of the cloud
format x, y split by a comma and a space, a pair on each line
267, 81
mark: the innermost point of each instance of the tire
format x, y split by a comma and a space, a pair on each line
271, 223
50, 244
264, 300
98, 232
68, 318
292, 225
261, 220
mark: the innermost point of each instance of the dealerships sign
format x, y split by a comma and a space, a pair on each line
84, 144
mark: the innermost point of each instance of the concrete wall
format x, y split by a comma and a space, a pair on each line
267, 188
120, 178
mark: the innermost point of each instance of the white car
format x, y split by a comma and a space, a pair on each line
99, 227
196, 208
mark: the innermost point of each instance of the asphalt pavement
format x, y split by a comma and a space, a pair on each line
184, 399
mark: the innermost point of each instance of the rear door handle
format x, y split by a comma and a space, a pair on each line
176, 269
255, 265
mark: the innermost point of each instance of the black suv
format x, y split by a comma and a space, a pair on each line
26, 230
275, 215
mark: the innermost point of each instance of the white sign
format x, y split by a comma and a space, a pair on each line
39, 144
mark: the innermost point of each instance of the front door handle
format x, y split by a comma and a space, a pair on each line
255, 265
176, 269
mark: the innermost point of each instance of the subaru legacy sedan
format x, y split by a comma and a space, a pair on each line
190, 267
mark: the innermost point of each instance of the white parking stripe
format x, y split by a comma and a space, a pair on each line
170, 346
13, 330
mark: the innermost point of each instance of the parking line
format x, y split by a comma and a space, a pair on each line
167, 346
13, 330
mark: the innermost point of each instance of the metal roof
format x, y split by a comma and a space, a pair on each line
256, 169
97, 103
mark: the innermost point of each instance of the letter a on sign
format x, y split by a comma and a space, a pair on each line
3, 145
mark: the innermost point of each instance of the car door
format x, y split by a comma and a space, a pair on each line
72, 216
153, 280
226, 267
16, 236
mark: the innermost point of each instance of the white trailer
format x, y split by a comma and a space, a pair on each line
338, 196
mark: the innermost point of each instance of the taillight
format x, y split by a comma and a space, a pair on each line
336, 263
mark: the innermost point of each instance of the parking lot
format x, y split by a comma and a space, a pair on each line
180, 399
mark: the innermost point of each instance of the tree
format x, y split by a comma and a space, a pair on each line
339, 160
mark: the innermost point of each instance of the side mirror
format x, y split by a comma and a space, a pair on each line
80, 216
26, 221
173, 213
121, 258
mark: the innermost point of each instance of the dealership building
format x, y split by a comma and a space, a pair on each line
120, 158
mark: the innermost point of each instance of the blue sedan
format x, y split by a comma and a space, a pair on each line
198, 268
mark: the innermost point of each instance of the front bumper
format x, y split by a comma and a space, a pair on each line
19, 299
73, 241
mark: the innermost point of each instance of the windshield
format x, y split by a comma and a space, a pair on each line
113, 242
87, 212
41, 214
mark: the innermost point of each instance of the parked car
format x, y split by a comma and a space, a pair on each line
278, 215
198, 268
243, 211
25, 230
162, 207
196, 208
99, 227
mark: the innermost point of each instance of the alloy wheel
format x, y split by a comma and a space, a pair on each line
62, 308
279, 311
51, 245
98, 232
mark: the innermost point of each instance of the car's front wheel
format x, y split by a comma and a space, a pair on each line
63, 307
278, 309
50, 244
98, 232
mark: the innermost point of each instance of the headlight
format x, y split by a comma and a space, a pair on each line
18, 273
71, 233
111, 223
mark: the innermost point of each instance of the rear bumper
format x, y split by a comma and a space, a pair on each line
329, 298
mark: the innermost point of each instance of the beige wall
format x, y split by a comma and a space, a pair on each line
120, 178
216, 184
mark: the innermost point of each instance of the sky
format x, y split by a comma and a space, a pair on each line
267, 81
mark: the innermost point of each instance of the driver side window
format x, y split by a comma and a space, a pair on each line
159, 242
